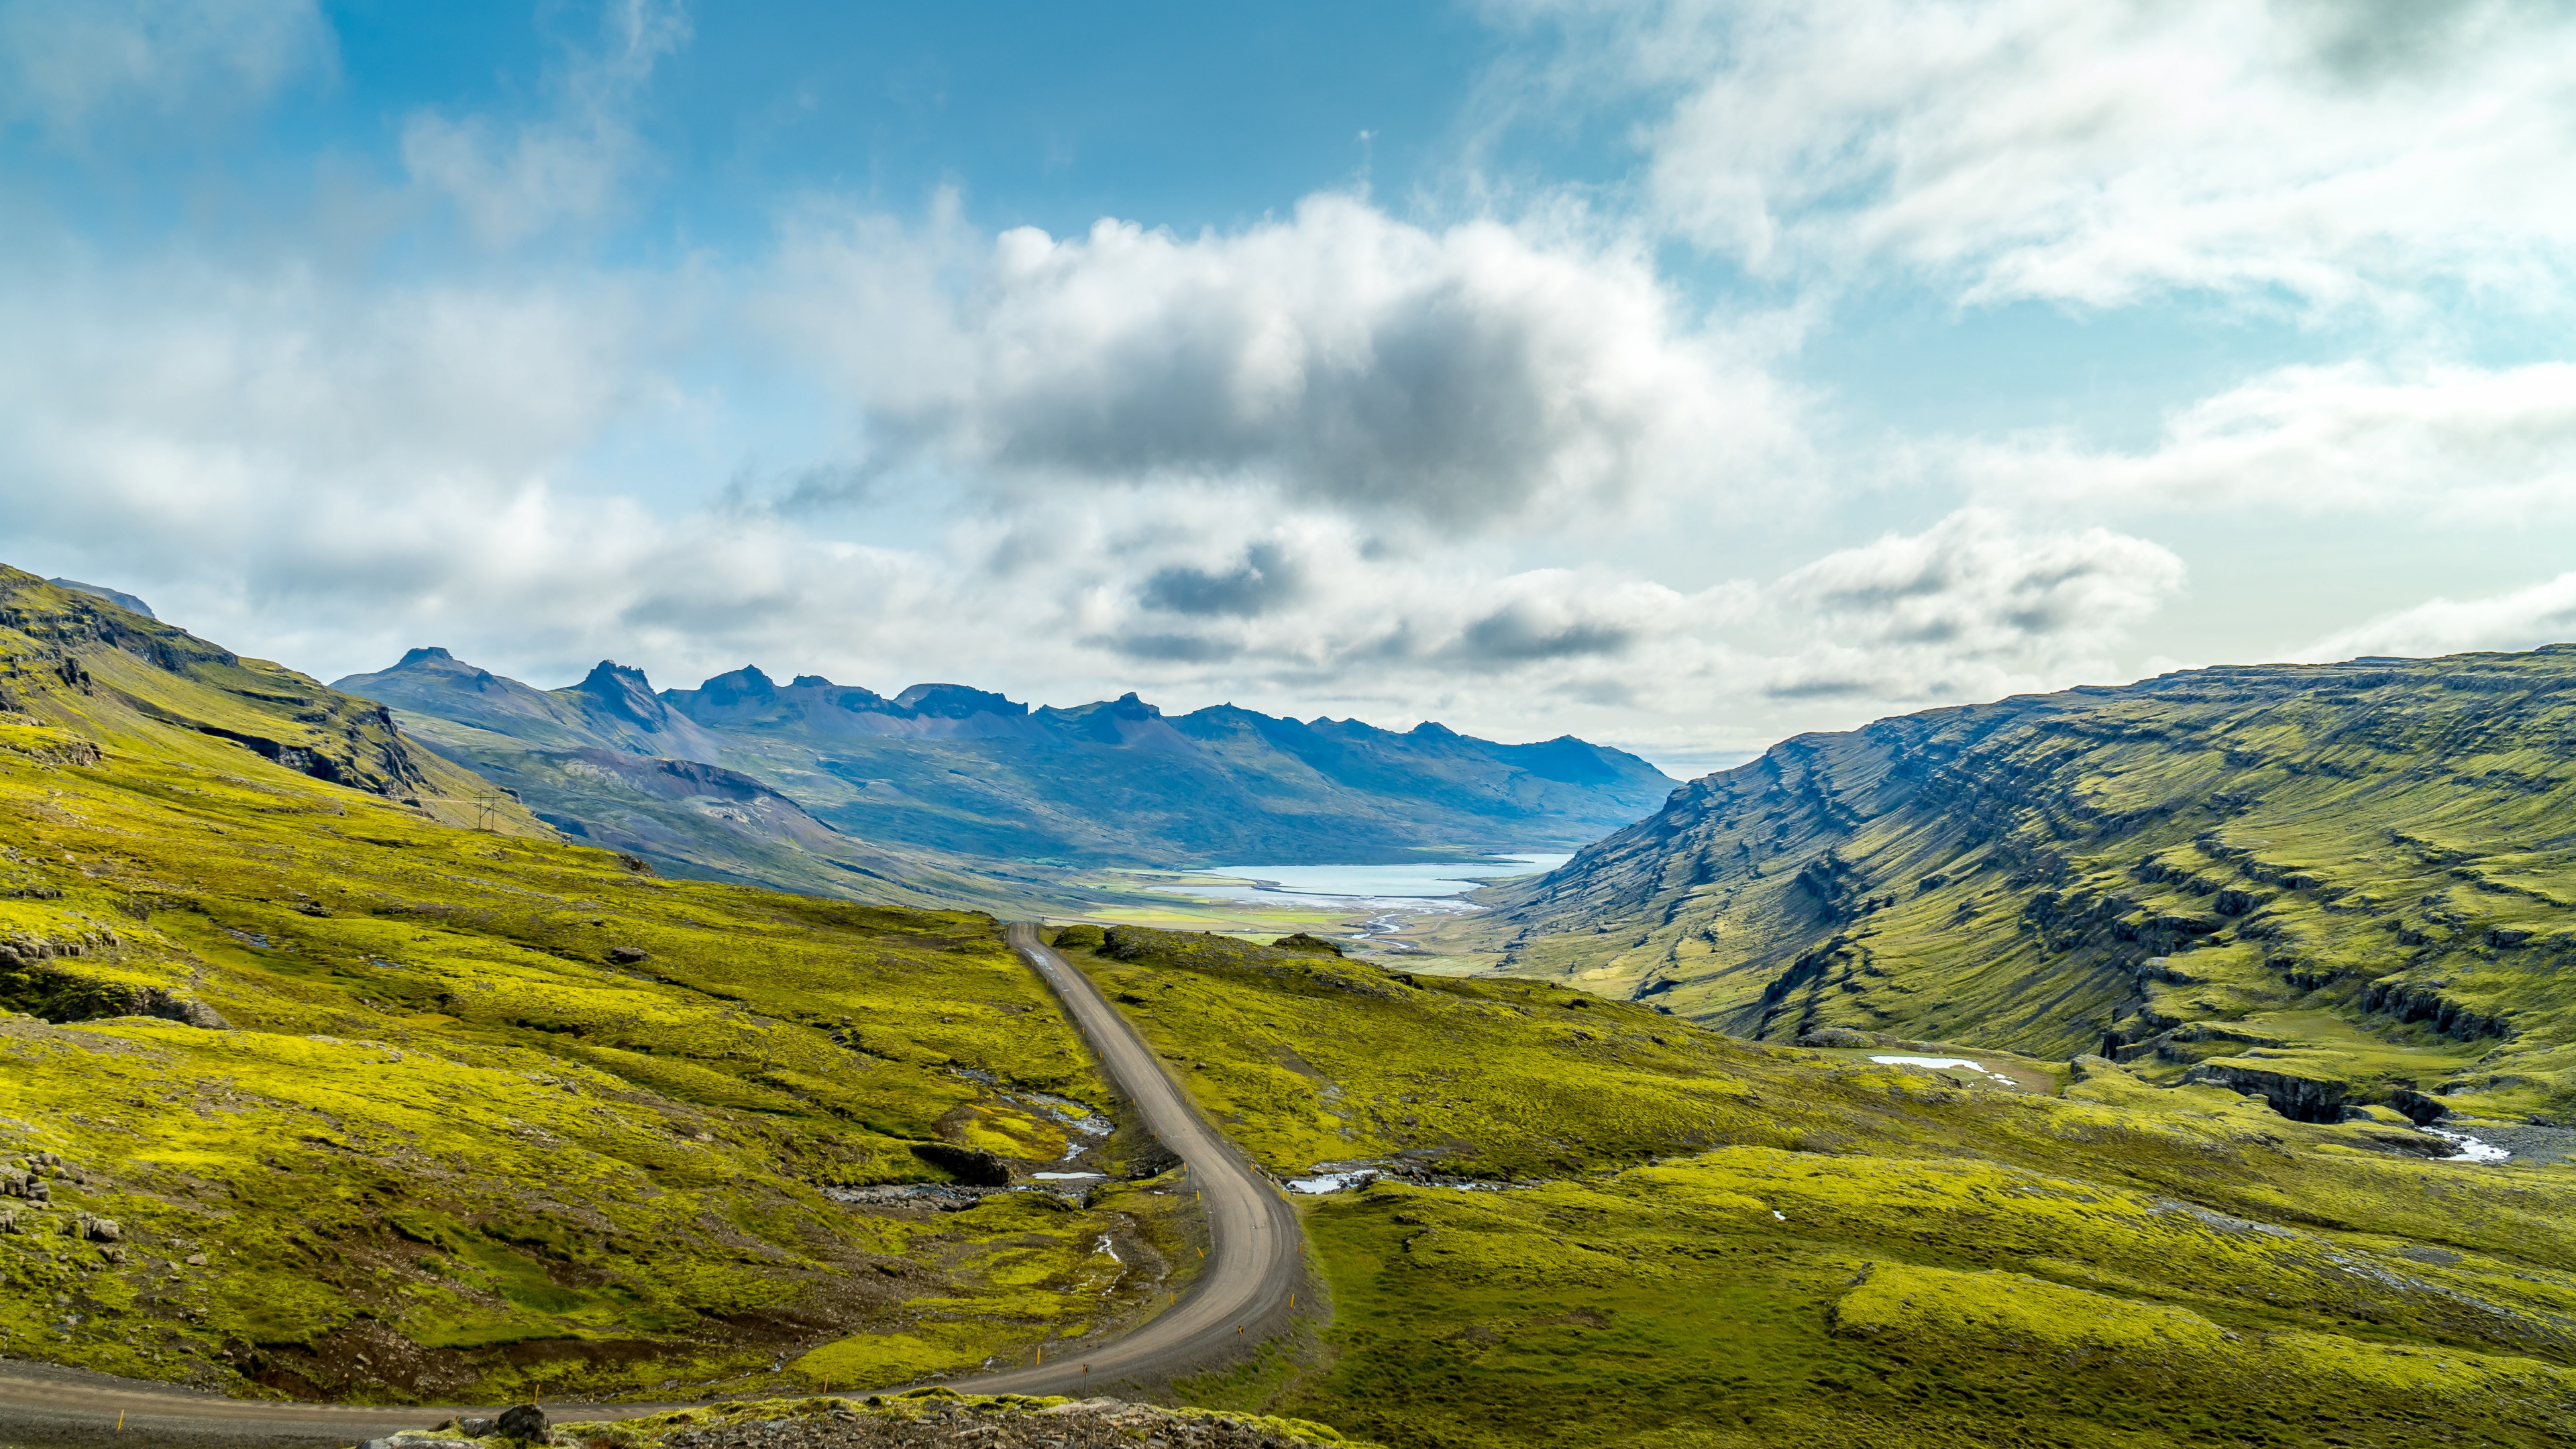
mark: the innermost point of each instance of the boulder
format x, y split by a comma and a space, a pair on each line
525, 1422
1151, 1159
102, 1230
1305, 942
970, 1165
628, 955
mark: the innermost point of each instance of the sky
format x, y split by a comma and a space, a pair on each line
1682, 376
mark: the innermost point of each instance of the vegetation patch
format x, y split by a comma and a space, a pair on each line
1858, 1252
383, 1108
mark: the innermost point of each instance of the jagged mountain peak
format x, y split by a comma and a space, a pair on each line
425, 654
738, 685
956, 701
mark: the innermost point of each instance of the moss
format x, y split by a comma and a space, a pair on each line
2074, 1251
453, 1148
2358, 870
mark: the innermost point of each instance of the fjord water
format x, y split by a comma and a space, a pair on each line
1418, 886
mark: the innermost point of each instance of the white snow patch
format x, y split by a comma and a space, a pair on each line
1939, 1062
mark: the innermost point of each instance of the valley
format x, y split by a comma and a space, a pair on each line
947, 794
336, 1075
2340, 886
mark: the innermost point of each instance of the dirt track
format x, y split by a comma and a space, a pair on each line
1255, 1261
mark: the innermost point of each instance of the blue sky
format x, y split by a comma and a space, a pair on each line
1681, 375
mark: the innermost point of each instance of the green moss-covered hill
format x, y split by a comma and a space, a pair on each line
2339, 884
1602, 1226
310, 1087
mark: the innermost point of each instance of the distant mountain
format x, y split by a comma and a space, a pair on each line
948, 768
2329, 883
118, 597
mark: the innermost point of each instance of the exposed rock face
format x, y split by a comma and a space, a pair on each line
970, 1165
33, 977
277, 714
1152, 1159
1834, 1036
2417, 1001
1304, 942
2093, 868
2304, 1099
919, 1423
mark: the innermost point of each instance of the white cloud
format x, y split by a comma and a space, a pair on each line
2521, 619
72, 67
2095, 151
2454, 441
1462, 376
1972, 607
512, 182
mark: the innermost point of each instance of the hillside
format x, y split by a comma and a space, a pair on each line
2337, 884
1593, 1224
304, 1092
975, 777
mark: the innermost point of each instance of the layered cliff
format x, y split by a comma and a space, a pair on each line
2353, 880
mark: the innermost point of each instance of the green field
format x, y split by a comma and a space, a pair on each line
1740, 1244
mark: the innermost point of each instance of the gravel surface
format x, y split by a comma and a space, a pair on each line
953, 1424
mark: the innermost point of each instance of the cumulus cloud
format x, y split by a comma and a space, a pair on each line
510, 182
2092, 153
2521, 619
70, 68
1267, 578
1971, 606
1459, 376
2457, 440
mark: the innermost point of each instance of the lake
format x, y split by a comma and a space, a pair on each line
1426, 888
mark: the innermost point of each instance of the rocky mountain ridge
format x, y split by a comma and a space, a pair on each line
2335, 884
967, 772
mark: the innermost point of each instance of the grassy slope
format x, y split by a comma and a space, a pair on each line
1849, 1253
449, 1145
719, 833
2360, 875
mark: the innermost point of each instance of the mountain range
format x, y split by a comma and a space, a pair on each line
328, 1072
727, 775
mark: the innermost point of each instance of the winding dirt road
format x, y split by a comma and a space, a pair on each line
1256, 1259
